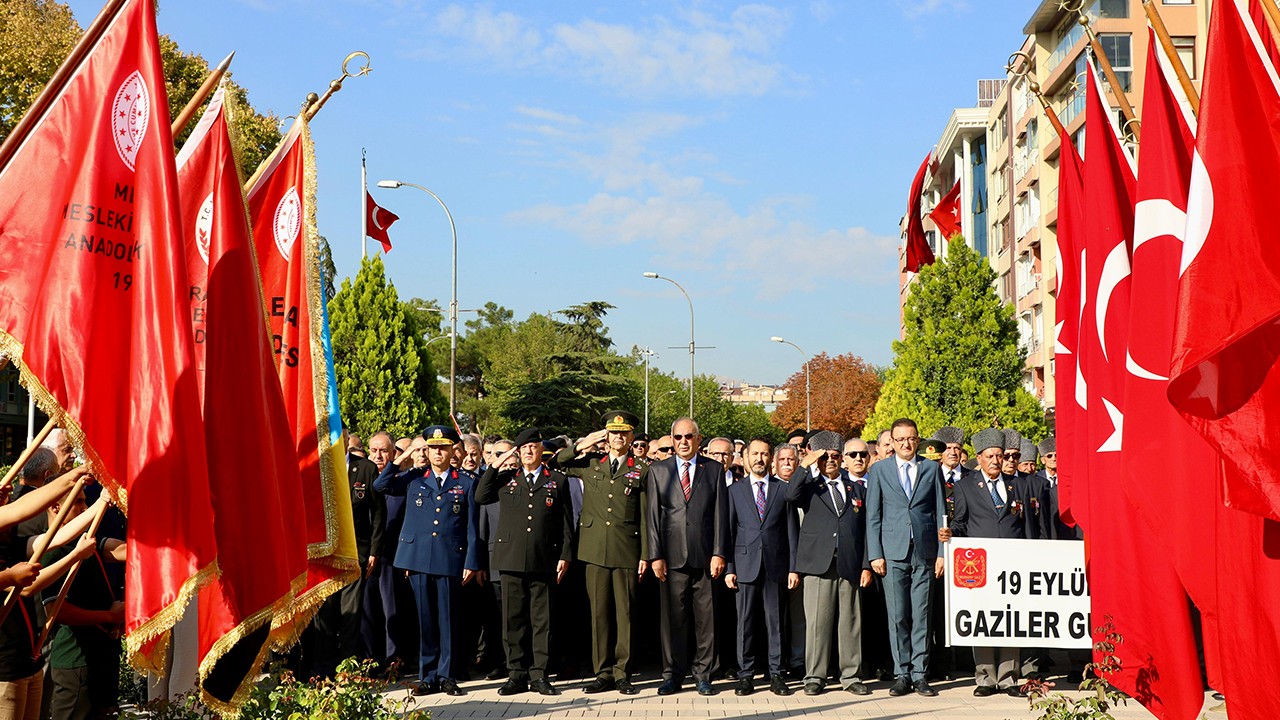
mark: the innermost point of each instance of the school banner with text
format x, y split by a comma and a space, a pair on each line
1017, 593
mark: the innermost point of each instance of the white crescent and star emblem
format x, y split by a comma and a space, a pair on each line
373, 218
130, 113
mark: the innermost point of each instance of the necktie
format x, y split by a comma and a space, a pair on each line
836, 499
906, 478
1053, 481
760, 498
614, 465
684, 481
951, 477
528, 478
995, 494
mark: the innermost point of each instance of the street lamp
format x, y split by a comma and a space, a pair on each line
453, 299
647, 353
777, 339
692, 345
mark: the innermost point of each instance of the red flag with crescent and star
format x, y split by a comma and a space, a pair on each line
919, 253
94, 307
262, 544
379, 221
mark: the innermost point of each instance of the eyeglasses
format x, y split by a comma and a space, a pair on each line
832, 455
639, 443
855, 454
719, 454
666, 449
688, 436
905, 440
1012, 455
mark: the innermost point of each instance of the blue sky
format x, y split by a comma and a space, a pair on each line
760, 154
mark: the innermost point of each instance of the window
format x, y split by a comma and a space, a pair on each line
1179, 2
1186, 49
1113, 8
1119, 50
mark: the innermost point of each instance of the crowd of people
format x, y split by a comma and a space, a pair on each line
812, 564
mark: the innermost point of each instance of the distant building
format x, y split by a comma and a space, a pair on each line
767, 396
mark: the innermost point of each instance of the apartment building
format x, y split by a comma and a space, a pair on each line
1021, 149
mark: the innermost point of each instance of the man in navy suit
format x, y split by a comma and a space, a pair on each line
439, 546
764, 531
991, 504
687, 541
905, 508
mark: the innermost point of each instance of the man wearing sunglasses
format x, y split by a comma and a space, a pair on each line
612, 542
640, 446
660, 449
905, 510
874, 618
688, 543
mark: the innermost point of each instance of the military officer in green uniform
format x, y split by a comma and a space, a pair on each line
533, 551
611, 541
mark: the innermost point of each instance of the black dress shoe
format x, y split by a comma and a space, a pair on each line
1219, 696
744, 687
812, 688
626, 688
705, 689
513, 687
901, 687
1015, 691
426, 688
730, 674
778, 686
923, 689
858, 688
496, 674
885, 676
598, 685
669, 687
450, 687
984, 691
543, 687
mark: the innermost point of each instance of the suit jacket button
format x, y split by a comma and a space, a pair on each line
437, 509
606, 522
435, 522
610, 494
610, 510
433, 534
530, 517
528, 529
530, 507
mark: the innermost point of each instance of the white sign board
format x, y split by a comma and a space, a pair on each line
1017, 593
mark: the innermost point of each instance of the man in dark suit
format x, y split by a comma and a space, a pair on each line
439, 547
381, 624
905, 510
943, 660
534, 548
990, 504
763, 532
612, 543
832, 559
492, 653
1059, 530
688, 541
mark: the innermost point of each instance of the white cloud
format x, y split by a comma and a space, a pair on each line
548, 115
695, 54
915, 9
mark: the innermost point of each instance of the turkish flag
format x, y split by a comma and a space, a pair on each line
94, 309
1131, 577
378, 222
281, 199
1073, 466
919, 253
262, 544
1227, 338
946, 214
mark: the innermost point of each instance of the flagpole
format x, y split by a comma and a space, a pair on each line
1273, 15
364, 208
314, 102
26, 454
1131, 118
1175, 60
70, 577
1020, 70
43, 544
59, 80
184, 117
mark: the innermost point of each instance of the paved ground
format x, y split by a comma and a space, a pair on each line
955, 700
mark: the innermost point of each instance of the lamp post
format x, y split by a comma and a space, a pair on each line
692, 342
647, 353
777, 339
453, 298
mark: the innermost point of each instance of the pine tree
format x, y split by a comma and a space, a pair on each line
960, 362
380, 364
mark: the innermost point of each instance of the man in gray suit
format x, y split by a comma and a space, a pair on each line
688, 537
905, 510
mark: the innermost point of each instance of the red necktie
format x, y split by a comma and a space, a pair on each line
684, 481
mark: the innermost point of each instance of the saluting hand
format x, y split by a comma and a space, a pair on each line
504, 457
590, 441
812, 457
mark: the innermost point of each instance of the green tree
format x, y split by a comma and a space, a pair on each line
960, 362
379, 361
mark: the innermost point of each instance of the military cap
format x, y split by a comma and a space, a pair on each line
932, 449
1012, 440
1028, 451
949, 435
825, 440
619, 421
529, 435
986, 439
438, 435
1049, 445
797, 433
641, 437
550, 447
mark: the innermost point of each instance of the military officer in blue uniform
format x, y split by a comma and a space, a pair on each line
534, 549
438, 545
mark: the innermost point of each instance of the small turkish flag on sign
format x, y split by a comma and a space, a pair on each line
379, 220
